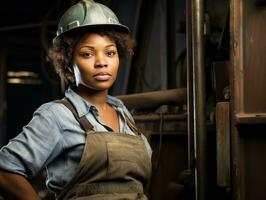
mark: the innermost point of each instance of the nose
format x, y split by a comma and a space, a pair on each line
100, 60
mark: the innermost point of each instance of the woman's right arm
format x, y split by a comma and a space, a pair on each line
27, 154
16, 187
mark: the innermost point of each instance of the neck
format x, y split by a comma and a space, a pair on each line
97, 98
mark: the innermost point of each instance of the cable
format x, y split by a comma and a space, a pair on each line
156, 167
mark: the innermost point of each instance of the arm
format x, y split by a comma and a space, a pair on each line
16, 187
27, 154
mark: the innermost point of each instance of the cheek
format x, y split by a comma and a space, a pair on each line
115, 71
116, 65
85, 66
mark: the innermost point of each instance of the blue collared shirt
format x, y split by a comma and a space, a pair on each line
54, 140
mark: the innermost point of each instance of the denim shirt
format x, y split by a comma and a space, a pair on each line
54, 140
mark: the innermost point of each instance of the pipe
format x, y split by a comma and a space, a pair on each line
153, 100
154, 117
199, 99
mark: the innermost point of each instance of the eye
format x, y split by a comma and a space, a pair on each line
111, 53
86, 54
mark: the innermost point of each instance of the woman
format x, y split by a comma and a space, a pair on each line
87, 142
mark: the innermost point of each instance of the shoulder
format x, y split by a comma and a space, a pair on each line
118, 103
52, 110
115, 101
51, 107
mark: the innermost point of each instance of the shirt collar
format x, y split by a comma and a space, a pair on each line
113, 101
83, 107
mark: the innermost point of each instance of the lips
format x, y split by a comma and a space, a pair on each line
102, 76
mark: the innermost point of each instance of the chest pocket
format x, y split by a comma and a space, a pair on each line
129, 160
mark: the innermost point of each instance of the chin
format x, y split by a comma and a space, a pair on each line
99, 87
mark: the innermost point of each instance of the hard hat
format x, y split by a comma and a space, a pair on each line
88, 13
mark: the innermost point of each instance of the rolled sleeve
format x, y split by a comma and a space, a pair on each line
28, 152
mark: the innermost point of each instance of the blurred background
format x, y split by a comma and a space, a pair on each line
198, 73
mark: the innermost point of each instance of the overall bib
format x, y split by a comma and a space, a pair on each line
113, 166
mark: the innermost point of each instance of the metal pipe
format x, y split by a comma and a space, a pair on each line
199, 99
154, 117
153, 100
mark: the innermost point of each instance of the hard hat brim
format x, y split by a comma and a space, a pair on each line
116, 27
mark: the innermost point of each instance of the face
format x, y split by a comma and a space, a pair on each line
97, 59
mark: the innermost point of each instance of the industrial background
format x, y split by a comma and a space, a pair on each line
195, 85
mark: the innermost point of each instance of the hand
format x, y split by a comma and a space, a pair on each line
16, 187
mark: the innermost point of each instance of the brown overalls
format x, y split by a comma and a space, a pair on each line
113, 166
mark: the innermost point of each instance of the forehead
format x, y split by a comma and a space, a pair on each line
96, 39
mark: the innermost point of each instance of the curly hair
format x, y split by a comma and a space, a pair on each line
60, 54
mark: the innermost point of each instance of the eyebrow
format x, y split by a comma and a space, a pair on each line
92, 47
110, 45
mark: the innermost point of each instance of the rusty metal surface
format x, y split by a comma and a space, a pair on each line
255, 59
248, 47
223, 144
153, 100
248, 60
253, 118
236, 83
199, 98
236, 29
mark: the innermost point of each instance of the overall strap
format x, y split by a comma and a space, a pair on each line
85, 124
132, 125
